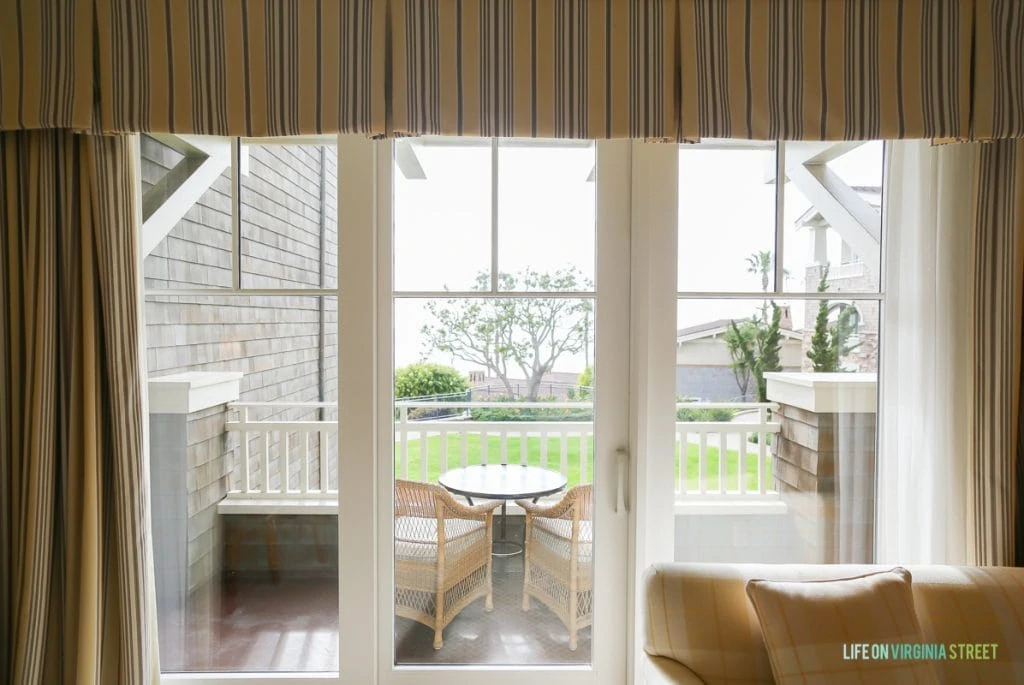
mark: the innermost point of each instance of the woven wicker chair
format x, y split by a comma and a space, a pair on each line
559, 558
442, 555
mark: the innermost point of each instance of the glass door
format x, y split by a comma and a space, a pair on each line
501, 337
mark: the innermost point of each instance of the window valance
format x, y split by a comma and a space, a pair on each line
825, 70
233, 67
654, 69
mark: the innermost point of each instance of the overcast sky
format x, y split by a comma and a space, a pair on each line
546, 221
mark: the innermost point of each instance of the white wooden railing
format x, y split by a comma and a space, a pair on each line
306, 449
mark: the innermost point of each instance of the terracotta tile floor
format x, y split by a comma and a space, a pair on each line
292, 625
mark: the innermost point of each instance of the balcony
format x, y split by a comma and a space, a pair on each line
431, 437
258, 591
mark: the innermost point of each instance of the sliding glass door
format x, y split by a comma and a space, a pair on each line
499, 335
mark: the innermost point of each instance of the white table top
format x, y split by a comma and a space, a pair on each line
500, 481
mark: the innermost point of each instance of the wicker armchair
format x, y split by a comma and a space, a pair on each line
559, 558
442, 554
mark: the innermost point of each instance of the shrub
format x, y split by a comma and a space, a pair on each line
703, 414
500, 413
425, 379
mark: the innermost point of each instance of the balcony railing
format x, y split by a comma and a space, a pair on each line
283, 457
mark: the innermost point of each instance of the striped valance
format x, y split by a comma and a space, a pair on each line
653, 69
535, 68
46, 74
235, 67
999, 69
825, 70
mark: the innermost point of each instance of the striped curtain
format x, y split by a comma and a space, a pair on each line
996, 327
535, 68
75, 599
240, 68
46, 75
999, 69
825, 70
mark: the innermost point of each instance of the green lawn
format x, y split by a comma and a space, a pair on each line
533, 457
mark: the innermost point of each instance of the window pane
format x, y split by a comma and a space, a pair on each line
442, 214
243, 582
467, 427
726, 217
546, 213
187, 229
779, 446
288, 216
833, 216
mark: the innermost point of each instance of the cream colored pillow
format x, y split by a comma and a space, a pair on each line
815, 631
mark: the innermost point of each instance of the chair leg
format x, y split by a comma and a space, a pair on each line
438, 619
526, 563
489, 601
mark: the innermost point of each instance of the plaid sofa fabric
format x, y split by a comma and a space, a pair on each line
700, 616
814, 630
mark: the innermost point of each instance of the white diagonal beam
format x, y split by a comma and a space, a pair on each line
840, 205
167, 201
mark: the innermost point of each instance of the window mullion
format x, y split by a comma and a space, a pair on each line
236, 212
494, 215
780, 215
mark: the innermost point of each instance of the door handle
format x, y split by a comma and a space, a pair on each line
622, 480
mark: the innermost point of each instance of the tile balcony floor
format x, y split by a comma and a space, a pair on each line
292, 625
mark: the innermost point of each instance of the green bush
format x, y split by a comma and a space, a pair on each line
703, 414
425, 379
499, 413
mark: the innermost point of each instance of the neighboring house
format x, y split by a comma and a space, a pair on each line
850, 274
284, 346
704, 367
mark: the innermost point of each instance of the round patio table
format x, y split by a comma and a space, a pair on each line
504, 482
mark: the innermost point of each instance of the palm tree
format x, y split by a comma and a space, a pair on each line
761, 263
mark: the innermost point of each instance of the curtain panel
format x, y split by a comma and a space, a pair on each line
825, 70
998, 251
927, 357
240, 68
998, 107
535, 68
76, 600
46, 75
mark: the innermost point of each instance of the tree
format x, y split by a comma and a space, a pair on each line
762, 263
506, 335
425, 379
757, 349
831, 342
739, 340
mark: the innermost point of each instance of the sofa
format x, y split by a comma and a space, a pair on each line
699, 626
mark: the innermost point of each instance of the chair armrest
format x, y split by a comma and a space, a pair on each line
477, 512
660, 670
551, 511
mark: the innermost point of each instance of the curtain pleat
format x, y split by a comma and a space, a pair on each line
998, 103
534, 68
240, 68
46, 74
996, 326
825, 70
75, 598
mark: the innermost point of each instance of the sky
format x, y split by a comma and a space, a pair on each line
546, 212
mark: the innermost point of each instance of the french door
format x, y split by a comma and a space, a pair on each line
441, 238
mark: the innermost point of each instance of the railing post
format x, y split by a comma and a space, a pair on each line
403, 439
246, 476
762, 449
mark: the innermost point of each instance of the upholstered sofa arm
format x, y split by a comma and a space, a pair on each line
660, 670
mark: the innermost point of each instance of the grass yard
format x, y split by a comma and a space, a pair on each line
453, 452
